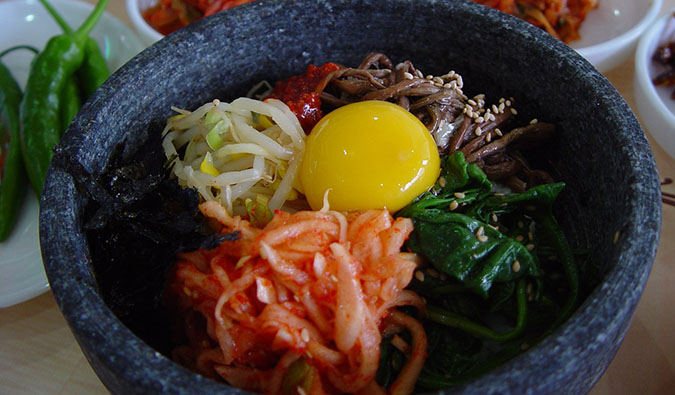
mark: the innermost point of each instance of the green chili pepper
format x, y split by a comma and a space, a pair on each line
40, 108
94, 70
70, 102
11, 164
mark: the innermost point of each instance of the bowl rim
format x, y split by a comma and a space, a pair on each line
646, 230
134, 12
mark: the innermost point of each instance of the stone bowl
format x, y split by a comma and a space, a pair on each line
611, 203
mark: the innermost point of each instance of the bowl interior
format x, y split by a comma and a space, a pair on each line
496, 54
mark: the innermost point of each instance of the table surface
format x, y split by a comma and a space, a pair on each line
38, 353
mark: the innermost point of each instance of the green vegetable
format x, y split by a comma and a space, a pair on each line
40, 109
11, 164
299, 374
94, 71
493, 293
70, 102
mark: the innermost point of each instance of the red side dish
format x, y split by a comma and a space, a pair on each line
168, 16
299, 94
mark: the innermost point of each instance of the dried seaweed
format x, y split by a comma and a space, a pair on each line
136, 218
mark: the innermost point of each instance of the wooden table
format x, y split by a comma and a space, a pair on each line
38, 353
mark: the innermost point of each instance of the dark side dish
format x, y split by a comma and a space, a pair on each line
665, 56
311, 290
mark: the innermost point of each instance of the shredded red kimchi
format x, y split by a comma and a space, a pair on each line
303, 302
561, 18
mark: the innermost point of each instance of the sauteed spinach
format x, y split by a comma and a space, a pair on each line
499, 274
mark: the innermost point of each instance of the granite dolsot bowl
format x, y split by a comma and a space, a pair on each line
611, 203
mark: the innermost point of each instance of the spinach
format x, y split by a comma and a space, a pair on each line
500, 274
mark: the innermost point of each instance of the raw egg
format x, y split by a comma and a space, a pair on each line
368, 155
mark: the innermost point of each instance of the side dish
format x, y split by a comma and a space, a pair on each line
415, 279
560, 18
169, 15
665, 56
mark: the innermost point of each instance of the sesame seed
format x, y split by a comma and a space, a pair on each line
501, 107
494, 218
480, 231
516, 266
478, 131
616, 237
407, 76
491, 117
495, 109
502, 100
419, 276
459, 195
333, 277
488, 138
442, 182
419, 74
514, 112
499, 194
304, 335
454, 205
498, 132
508, 103
439, 80
429, 77
534, 121
472, 102
451, 73
480, 120
448, 86
482, 238
529, 247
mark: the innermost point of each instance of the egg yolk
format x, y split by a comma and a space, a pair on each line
370, 155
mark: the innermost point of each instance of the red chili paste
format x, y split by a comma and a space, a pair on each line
298, 92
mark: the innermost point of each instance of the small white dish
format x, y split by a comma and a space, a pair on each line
22, 275
654, 104
135, 9
609, 34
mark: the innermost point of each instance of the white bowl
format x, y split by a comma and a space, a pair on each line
609, 34
135, 9
26, 22
654, 105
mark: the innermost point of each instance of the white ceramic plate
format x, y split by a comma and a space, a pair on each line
22, 275
609, 33
656, 108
